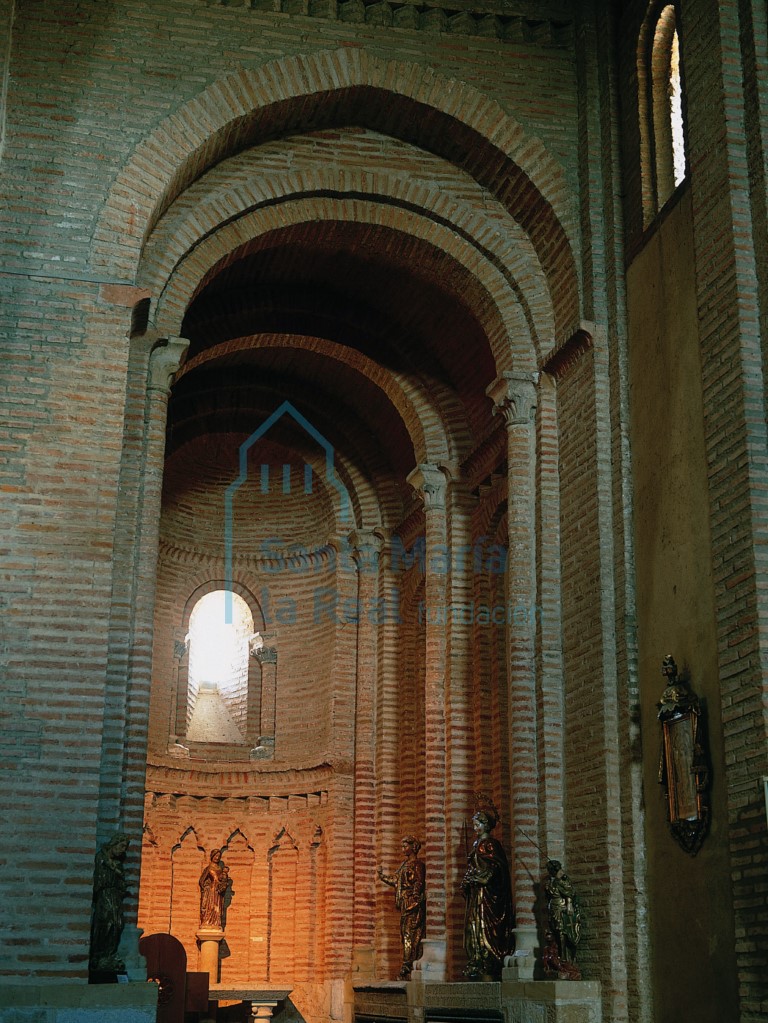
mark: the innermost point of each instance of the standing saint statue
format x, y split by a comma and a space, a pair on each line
109, 890
489, 916
410, 898
564, 923
214, 881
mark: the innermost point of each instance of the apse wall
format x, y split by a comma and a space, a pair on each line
280, 554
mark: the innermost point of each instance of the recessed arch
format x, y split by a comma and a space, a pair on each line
502, 317
347, 86
222, 197
423, 420
660, 107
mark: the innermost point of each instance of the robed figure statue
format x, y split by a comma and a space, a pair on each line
213, 882
109, 890
489, 917
410, 898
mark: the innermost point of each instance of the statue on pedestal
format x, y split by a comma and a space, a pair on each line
410, 898
489, 916
109, 890
564, 924
213, 882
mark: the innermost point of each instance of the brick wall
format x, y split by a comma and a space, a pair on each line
427, 189
723, 77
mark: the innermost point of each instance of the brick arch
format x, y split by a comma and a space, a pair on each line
415, 406
366, 501
506, 248
333, 88
210, 586
376, 495
501, 316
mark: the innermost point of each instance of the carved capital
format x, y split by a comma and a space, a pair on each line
515, 396
266, 655
165, 361
430, 482
361, 539
366, 548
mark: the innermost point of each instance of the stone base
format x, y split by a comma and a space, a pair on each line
453, 997
552, 1001
78, 1003
382, 1000
536, 1001
431, 966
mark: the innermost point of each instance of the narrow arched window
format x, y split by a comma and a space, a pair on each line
661, 109
217, 686
676, 112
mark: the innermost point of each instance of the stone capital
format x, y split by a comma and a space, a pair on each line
164, 361
359, 539
266, 655
514, 396
430, 483
366, 548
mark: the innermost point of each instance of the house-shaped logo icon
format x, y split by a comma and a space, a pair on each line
345, 510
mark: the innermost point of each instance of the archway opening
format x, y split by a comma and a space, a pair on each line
217, 696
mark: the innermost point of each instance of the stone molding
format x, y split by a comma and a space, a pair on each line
561, 359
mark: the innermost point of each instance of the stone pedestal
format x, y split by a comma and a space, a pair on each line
135, 964
208, 939
431, 966
519, 966
384, 999
552, 1001
432, 999
508, 1001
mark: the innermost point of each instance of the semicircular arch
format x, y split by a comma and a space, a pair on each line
422, 419
502, 318
327, 88
507, 248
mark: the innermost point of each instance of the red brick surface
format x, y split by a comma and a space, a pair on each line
383, 215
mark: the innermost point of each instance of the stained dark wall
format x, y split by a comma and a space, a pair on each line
692, 928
